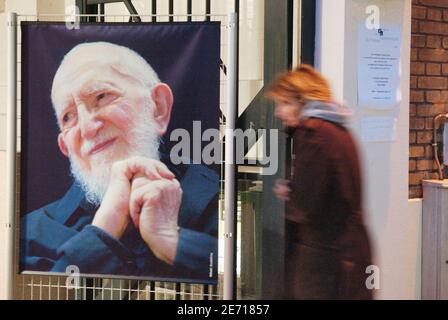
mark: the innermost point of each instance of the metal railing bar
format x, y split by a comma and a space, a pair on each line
154, 10
189, 9
171, 10
102, 12
135, 16
207, 9
120, 15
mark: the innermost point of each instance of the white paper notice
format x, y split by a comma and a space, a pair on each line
378, 129
379, 67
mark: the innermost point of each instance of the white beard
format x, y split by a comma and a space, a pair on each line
94, 182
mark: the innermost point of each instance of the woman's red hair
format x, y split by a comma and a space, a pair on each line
304, 83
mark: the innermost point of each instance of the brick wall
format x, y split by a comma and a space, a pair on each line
429, 86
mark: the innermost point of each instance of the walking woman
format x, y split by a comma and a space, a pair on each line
327, 246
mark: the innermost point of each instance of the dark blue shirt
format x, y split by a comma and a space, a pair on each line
60, 234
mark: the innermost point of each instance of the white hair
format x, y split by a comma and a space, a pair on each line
122, 59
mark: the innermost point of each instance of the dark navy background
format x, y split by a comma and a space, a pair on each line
184, 55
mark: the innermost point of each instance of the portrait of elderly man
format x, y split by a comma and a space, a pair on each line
129, 211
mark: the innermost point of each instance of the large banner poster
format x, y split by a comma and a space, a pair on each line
101, 194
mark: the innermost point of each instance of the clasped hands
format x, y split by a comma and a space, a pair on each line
144, 192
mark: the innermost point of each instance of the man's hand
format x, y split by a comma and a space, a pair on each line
281, 189
113, 214
154, 206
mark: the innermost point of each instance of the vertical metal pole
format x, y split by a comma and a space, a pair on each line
102, 10
171, 10
189, 9
229, 183
207, 10
11, 148
154, 10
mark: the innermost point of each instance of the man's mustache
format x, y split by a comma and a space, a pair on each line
89, 145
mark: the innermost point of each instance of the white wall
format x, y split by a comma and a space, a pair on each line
329, 51
393, 221
415, 246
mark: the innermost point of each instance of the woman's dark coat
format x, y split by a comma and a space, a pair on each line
328, 248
